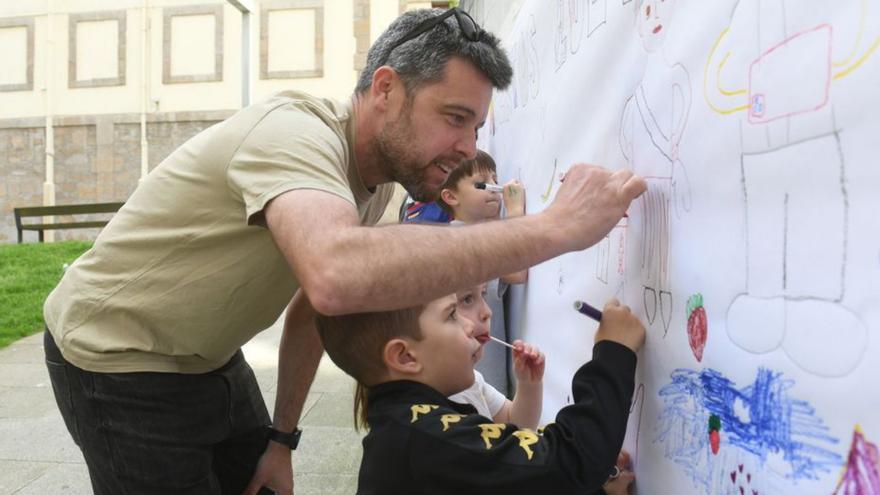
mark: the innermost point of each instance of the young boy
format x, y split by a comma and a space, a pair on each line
528, 365
460, 198
422, 443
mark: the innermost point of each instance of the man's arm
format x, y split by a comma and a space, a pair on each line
346, 268
298, 357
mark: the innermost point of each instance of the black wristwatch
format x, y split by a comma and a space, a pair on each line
289, 439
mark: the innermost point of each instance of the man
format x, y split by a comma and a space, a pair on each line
144, 330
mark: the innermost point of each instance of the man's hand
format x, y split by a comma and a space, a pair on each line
590, 202
621, 326
274, 471
528, 363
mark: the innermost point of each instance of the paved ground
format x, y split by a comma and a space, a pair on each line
37, 455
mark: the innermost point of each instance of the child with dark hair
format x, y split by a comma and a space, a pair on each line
409, 361
460, 198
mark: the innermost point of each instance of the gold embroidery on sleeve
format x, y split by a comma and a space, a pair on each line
446, 419
421, 409
526, 438
491, 431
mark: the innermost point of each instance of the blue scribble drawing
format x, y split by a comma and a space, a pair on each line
762, 427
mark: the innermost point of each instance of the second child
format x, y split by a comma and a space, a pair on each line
460, 198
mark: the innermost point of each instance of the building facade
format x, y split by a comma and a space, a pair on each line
95, 93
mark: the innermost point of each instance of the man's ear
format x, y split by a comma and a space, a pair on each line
448, 196
385, 80
399, 357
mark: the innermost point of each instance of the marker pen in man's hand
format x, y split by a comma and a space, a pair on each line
488, 187
587, 310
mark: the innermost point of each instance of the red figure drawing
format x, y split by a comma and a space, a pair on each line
697, 326
861, 475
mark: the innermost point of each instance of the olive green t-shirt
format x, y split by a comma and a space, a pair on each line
186, 272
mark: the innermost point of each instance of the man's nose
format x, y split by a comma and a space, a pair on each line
466, 146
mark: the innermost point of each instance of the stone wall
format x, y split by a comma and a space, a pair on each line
97, 159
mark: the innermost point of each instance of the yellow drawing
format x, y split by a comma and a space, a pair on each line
754, 86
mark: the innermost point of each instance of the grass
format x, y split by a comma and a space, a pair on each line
28, 272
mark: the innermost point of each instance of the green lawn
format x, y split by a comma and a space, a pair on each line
28, 272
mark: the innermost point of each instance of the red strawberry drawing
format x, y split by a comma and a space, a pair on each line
697, 325
715, 436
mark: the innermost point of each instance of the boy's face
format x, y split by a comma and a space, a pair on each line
476, 204
473, 306
448, 349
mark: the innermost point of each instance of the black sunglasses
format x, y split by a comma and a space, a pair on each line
469, 28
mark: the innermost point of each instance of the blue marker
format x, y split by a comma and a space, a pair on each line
585, 309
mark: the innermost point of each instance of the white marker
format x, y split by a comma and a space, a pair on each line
488, 187
501, 342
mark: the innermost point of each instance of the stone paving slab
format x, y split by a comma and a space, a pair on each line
37, 455
14, 475
61, 479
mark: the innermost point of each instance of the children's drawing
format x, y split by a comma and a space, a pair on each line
611, 258
741, 481
652, 124
697, 325
554, 179
636, 411
598, 15
571, 19
761, 426
526, 67
792, 161
714, 433
861, 473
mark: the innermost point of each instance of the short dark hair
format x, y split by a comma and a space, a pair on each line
355, 342
423, 59
483, 162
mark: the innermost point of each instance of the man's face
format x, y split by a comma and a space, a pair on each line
653, 18
435, 128
448, 349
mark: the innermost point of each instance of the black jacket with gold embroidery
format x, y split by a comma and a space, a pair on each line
422, 443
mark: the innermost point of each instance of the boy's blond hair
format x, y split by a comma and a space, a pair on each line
356, 343
483, 162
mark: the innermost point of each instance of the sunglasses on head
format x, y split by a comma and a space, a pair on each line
466, 24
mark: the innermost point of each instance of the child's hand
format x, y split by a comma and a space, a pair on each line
528, 362
514, 196
621, 326
620, 484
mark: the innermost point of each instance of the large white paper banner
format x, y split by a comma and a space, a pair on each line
754, 256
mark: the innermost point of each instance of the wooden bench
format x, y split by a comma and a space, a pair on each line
58, 210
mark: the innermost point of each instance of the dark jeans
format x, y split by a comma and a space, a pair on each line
163, 433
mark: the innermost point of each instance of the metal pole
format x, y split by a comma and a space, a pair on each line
246, 7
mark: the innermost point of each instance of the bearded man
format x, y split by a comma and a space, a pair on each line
273, 208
